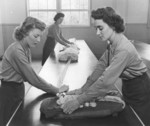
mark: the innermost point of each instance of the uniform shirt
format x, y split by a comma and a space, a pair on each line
16, 66
125, 63
55, 32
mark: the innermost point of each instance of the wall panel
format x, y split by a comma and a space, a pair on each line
14, 12
137, 11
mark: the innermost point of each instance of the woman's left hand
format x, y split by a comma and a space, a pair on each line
70, 106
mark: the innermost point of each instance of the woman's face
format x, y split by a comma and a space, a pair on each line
60, 20
34, 37
103, 30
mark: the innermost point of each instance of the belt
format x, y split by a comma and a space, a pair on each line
144, 74
10, 83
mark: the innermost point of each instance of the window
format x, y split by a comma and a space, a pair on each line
77, 12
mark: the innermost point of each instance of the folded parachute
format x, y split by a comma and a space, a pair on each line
69, 53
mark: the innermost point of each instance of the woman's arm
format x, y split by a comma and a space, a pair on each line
23, 67
57, 36
61, 36
99, 69
108, 78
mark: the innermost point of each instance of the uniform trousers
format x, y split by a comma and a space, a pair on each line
136, 93
11, 94
48, 49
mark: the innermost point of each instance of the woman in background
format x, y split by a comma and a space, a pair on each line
121, 61
16, 68
54, 35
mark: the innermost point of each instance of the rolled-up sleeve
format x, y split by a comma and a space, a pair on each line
23, 67
108, 77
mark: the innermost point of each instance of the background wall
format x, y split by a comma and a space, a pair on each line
14, 12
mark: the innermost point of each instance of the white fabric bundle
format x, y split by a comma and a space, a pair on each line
63, 99
112, 96
69, 53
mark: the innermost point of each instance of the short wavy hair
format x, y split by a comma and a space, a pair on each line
110, 17
29, 24
58, 15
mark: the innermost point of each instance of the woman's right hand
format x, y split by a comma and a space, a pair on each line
63, 88
75, 92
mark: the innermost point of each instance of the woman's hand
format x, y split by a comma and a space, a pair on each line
63, 88
70, 106
75, 92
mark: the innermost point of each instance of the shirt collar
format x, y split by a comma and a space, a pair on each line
116, 40
25, 45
